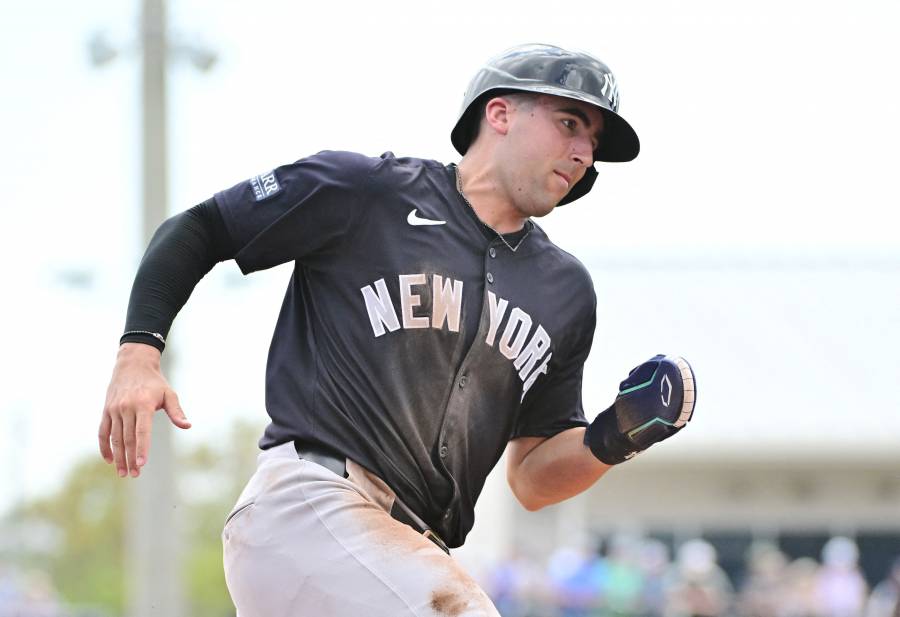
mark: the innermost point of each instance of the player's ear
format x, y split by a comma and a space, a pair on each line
497, 114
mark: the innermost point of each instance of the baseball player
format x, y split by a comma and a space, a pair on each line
428, 326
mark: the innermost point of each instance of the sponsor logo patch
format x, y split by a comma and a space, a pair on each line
265, 185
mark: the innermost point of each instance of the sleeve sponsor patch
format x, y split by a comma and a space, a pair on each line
265, 185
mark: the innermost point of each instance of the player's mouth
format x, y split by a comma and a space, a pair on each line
566, 177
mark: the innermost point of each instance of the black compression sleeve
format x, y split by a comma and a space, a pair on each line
182, 251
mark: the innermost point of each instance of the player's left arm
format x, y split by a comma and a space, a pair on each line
542, 471
655, 401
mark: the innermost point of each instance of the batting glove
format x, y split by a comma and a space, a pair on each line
654, 402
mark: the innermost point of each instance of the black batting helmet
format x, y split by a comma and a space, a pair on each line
545, 69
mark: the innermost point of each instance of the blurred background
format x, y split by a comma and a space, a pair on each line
756, 235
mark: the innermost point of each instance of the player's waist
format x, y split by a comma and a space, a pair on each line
371, 483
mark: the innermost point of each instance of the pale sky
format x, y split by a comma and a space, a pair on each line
767, 128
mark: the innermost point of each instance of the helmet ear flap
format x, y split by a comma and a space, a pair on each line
582, 187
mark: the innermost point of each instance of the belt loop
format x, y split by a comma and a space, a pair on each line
428, 533
404, 514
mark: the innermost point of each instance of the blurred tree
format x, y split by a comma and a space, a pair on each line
76, 533
212, 477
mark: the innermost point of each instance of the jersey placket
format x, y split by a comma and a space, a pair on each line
453, 426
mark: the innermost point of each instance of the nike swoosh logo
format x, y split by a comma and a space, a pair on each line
415, 219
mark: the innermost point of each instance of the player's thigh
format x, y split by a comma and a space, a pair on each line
415, 576
305, 542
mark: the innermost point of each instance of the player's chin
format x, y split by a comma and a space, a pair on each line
549, 200
542, 200
543, 208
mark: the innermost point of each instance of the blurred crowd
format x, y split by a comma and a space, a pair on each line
30, 593
637, 577
27, 594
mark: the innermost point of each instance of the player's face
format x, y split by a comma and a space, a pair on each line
548, 149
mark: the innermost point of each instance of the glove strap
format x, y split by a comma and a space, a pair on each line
606, 441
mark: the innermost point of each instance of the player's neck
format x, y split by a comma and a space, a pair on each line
484, 193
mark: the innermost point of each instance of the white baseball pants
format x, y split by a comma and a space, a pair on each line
302, 541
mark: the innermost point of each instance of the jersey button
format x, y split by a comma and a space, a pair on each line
463, 381
492, 252
447, 515
490, 277
444, 451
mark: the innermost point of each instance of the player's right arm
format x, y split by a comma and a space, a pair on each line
182, 251
288, 214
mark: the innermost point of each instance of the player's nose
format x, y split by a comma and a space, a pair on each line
582, 151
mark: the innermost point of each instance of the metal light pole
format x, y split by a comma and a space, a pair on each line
154, 560
153, 521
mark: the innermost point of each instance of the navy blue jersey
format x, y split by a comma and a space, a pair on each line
409, 340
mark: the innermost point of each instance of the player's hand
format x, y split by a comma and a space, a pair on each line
655, 401
136, 391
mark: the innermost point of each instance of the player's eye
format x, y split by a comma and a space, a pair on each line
572, 125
